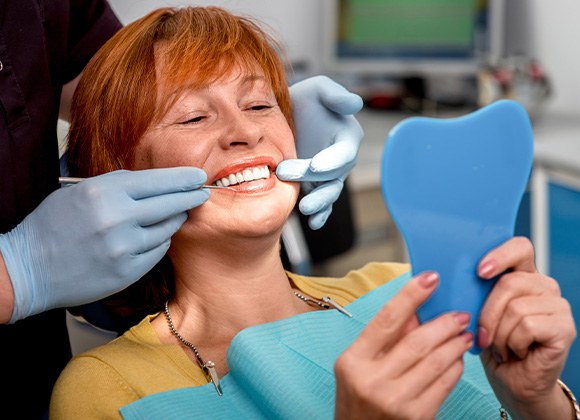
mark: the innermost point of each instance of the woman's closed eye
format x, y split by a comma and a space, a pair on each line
260, 106
193, 120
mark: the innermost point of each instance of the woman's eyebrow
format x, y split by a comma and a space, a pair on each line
252, 79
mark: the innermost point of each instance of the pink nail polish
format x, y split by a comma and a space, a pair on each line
497, 355
482, 337
462, 318
429, 280
487, 269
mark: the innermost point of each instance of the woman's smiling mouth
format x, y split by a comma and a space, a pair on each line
246, 175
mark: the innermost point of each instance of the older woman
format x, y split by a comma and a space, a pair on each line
202, 87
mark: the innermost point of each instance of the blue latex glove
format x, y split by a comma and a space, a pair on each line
92, 239
328, 140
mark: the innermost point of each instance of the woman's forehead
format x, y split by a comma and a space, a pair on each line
172, 72
193, 80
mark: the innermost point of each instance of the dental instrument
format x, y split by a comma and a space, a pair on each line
67, 180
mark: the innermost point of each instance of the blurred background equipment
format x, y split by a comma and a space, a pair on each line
414, 44
519, 78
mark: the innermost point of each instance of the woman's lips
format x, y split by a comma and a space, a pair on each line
250, 174
240, 165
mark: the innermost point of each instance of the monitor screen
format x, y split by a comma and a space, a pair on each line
408, 37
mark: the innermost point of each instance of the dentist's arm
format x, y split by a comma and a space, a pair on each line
95, 238
6, 290
328, 140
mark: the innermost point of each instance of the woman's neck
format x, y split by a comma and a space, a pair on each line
227, 290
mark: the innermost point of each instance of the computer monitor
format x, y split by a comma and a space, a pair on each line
403, 38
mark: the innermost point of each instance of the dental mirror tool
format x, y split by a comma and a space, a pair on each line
67, 180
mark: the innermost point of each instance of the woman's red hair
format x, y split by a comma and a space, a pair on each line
116, 99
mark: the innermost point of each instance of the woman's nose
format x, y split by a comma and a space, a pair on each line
240, 131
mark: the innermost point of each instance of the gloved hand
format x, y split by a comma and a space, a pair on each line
328, 140
92, 239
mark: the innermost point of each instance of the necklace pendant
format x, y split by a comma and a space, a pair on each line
336, 306
212, 376
503, 415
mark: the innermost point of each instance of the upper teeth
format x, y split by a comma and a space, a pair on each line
248, 174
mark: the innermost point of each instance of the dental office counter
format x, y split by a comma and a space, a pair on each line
550, 211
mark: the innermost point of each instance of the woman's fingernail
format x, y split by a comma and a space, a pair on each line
487, 269
462, 318
468, 337
428, 280
482, 337
496, 355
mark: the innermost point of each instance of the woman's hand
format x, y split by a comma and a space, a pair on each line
398, 368
526, 329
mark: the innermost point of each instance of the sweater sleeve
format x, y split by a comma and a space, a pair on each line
88, 388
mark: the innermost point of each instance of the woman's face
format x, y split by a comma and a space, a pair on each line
234, 130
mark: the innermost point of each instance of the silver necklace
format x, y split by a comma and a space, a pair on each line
208, 367
326, 303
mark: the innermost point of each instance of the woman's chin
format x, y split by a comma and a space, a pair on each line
244, 219
260, 218
228, 214
258, 227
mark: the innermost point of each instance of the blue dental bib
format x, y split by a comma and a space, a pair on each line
284, 370
453, 187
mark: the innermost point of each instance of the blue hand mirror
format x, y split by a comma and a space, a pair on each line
453, 188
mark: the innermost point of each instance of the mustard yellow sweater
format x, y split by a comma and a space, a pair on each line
97, 383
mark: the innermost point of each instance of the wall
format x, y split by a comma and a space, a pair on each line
546, 30
554, 38
295, 21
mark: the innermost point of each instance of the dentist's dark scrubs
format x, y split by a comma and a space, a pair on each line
43, 45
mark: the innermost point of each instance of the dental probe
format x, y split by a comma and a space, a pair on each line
67, 180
